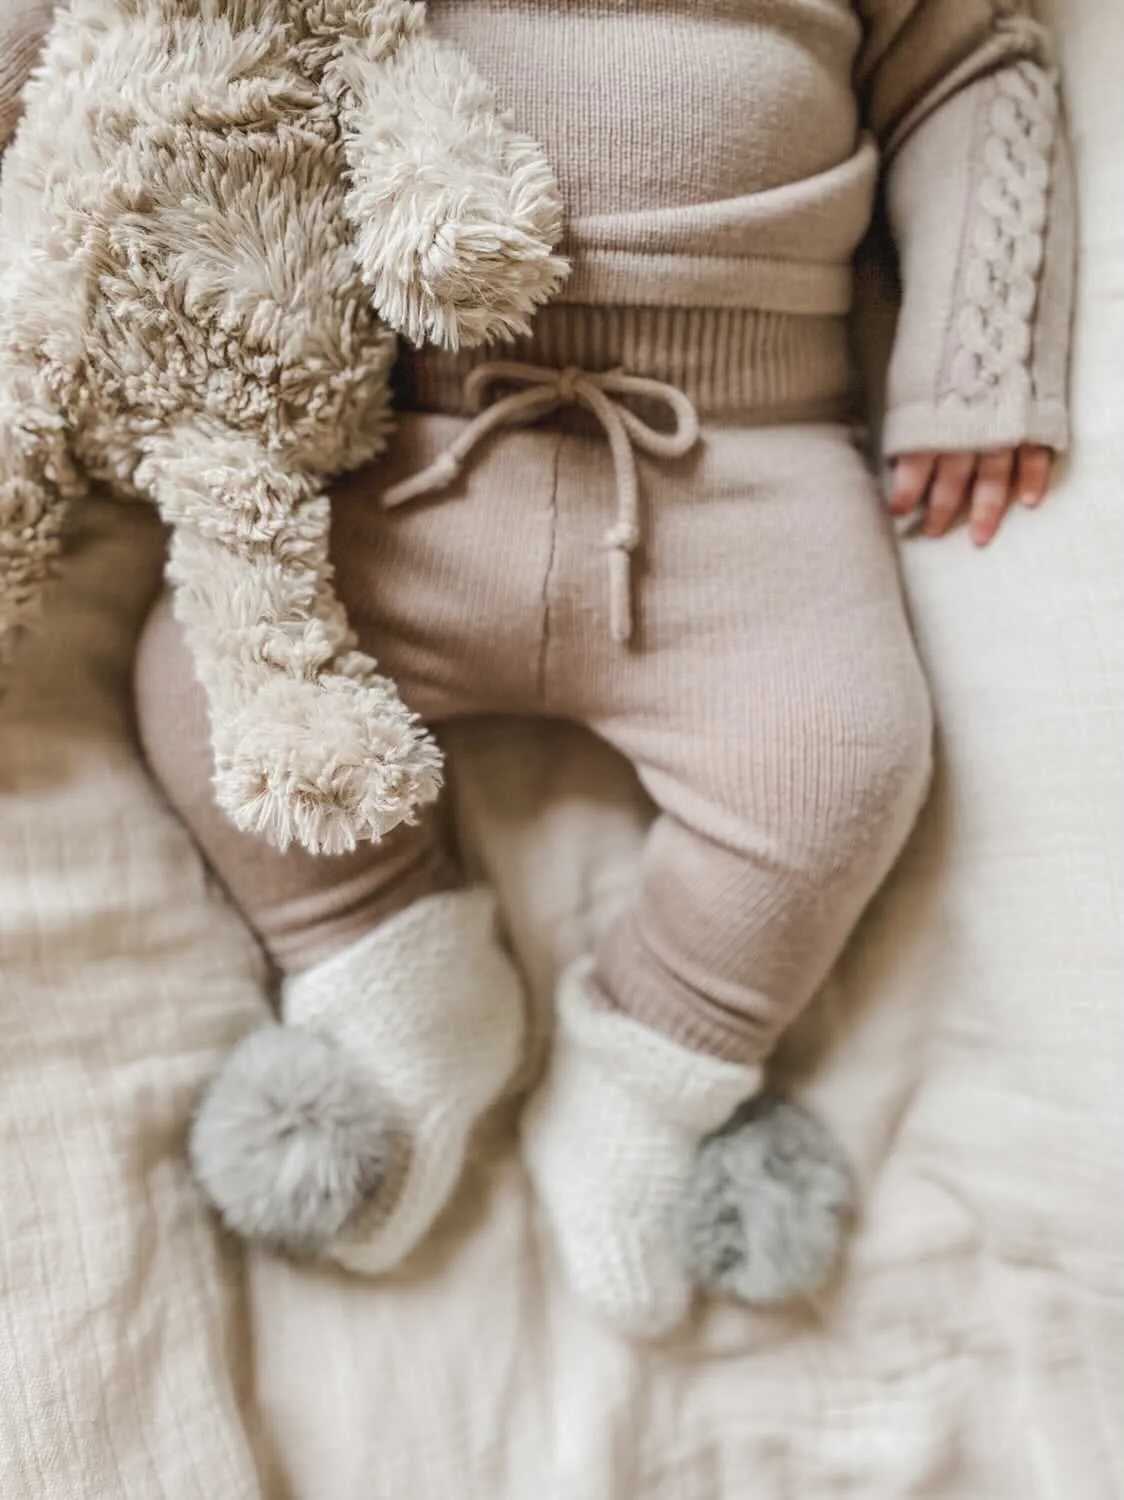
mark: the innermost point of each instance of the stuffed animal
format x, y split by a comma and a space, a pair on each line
214, 218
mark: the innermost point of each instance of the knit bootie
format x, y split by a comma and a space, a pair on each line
660, 1170
610, 1140
342, 1133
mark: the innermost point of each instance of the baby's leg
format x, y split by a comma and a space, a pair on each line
777, 713
343, 1131
303, 907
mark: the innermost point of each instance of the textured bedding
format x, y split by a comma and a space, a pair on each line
970, 1049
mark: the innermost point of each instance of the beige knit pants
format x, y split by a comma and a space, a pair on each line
770, 697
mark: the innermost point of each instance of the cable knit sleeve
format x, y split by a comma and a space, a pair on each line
963, 97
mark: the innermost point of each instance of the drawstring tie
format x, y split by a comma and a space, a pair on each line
540, 391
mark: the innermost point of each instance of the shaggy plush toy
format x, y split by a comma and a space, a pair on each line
213, 215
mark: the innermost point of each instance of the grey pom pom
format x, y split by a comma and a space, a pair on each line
291, 1138
767, 1205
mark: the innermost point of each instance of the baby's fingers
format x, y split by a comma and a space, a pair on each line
912, 475
949, 491
991, 494
1035, 466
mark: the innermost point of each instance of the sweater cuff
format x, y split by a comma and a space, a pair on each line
981, 203
926, 427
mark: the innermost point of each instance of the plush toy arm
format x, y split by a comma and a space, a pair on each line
456, 213
36, 481
311, 745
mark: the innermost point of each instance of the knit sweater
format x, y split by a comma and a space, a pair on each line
726, 154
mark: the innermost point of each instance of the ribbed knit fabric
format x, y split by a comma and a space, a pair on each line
771, 698
733, 363
23, 24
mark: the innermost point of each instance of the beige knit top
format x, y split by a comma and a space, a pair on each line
726, 153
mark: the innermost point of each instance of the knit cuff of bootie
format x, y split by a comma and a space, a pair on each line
609, 1141
343, 1132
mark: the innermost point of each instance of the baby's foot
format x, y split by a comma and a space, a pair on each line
610, 1142
343, 1133
766, 1208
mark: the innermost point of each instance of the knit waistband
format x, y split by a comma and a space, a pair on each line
734, 363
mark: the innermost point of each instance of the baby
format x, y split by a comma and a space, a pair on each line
650, 516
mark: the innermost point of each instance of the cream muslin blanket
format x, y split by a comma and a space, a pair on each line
970, 1049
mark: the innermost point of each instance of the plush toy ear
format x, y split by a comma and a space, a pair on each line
23, 25
456, 214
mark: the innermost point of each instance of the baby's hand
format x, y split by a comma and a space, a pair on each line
987, 484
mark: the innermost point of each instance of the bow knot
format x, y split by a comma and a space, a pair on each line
568, 382
538, 391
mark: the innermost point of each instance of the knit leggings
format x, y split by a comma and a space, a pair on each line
769, 694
